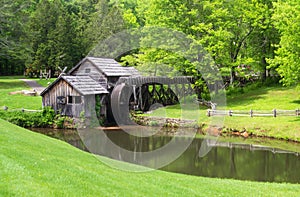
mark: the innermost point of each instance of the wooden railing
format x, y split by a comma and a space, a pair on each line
22, 110
253, 113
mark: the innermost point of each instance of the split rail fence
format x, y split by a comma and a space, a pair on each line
22, 110
253, 113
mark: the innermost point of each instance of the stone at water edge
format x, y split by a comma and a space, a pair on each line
245, 134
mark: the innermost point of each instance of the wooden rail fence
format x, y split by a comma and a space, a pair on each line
253, 113
22, 110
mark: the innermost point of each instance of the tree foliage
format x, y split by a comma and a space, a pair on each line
261, 36
286, 61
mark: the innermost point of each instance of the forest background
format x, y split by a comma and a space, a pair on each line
247, 39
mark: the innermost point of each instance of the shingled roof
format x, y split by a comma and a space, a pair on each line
109, 67
84, 85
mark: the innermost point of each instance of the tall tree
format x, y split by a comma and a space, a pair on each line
13, 49
55, 36
287, 20
106, 21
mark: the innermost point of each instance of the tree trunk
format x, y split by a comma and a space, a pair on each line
264, 71
232, 75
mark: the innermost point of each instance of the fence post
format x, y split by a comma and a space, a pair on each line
208, 112
230, 112
297, 112
274, 113
251, 113
23, 110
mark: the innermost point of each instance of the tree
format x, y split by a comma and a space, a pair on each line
13, 49
106, 21
287, 20
55, 36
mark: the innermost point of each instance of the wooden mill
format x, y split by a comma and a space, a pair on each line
115, 89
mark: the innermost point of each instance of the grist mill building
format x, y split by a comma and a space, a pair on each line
74, 93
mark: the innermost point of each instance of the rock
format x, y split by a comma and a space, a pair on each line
245, 134
29, 93
16, 92
236, 133
214, 131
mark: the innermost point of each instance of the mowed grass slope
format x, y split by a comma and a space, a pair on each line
35, 165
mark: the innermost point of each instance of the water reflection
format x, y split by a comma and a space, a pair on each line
68, 135
225, 160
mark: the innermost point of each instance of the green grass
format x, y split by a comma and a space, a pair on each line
32, 164
264, 98
17, 101
267, 98
44, 82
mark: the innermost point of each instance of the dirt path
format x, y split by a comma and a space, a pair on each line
34, 85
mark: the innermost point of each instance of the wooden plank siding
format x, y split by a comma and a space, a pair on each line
62, 88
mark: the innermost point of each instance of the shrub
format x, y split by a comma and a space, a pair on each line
33, 119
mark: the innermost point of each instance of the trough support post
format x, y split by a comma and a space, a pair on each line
134, 94
140, 97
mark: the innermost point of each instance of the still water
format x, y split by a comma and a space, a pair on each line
224, 160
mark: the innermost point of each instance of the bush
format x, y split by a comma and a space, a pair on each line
25, 119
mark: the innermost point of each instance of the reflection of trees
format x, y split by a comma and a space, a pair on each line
232, 162
224, 162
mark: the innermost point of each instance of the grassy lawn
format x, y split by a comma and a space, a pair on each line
264, 98
43, 82
9, 84
17, 101
32, 164
267, 98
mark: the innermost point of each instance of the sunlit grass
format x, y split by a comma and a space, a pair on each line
44, 82
8, 85
36, 165
264, 98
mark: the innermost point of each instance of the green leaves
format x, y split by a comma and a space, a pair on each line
287, 20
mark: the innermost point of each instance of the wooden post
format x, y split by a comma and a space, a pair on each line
274, 113
251, 113
208, 113
140, 97
297, 112
230, 112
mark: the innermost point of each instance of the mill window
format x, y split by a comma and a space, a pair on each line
87, 70
74, 100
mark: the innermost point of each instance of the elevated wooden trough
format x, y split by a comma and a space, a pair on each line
146, 93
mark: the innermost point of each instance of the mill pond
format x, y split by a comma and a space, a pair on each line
226, 159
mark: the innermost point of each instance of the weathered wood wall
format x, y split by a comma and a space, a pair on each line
62, 88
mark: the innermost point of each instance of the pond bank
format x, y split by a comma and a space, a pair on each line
204, 128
